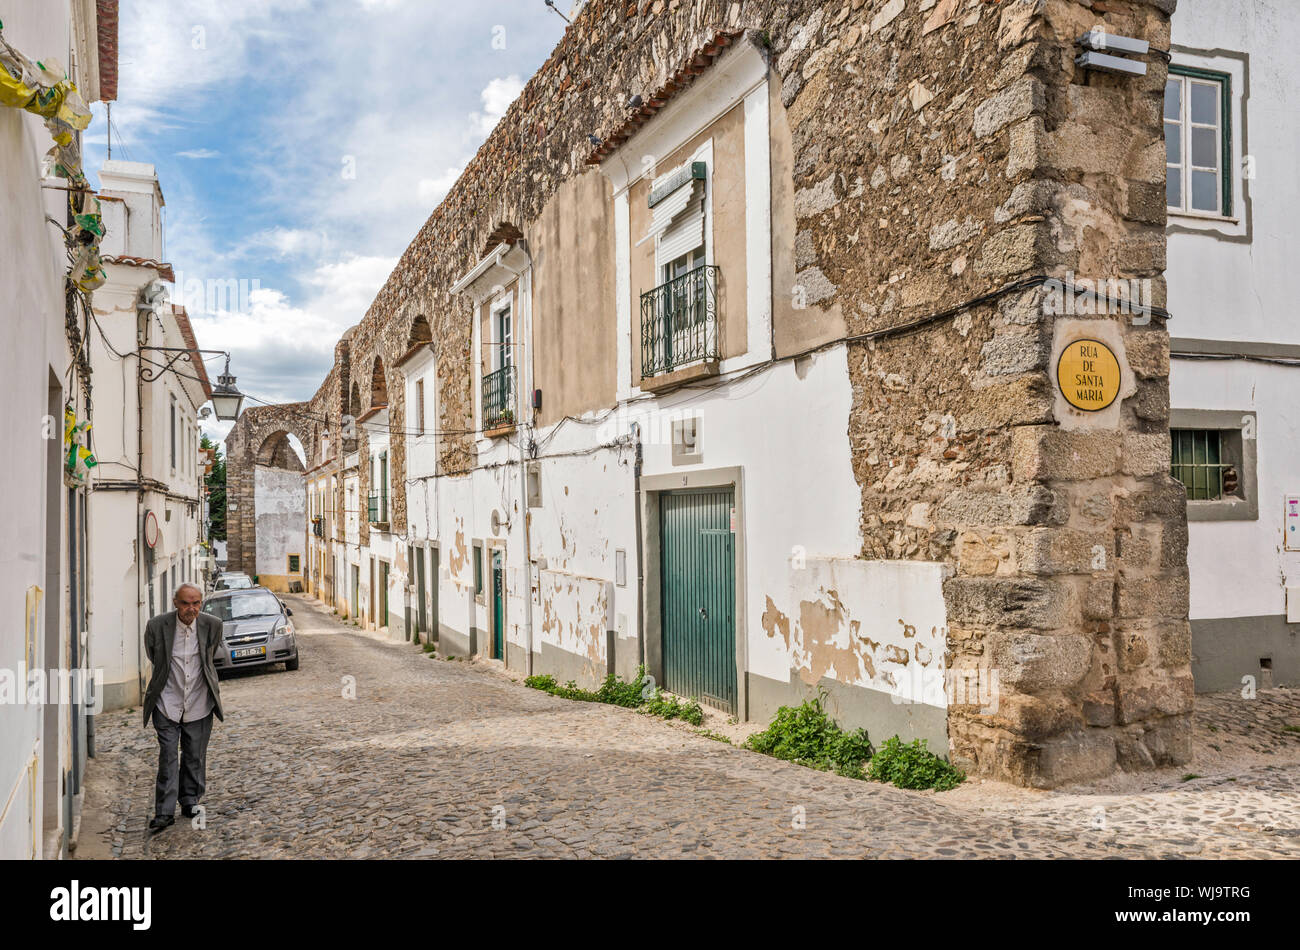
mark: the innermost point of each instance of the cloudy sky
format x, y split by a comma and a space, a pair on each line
300, 144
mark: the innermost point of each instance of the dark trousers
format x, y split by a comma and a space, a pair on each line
188, 776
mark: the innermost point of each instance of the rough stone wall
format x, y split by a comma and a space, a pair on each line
984, 156
972, 153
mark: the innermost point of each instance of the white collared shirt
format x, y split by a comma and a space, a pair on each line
186, 696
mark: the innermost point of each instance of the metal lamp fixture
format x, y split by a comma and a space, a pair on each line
226, 399
1100, 47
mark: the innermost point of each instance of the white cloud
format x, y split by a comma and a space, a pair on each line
292, 242
279, 351
433, 190
497, 96
282, 91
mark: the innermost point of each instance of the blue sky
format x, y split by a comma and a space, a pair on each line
301, 144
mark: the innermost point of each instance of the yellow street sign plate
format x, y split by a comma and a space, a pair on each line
1088, 375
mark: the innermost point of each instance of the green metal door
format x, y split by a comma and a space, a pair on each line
698, 595
498, 606
433, 592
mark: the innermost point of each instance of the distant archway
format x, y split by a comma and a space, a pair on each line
266, 446
278, 451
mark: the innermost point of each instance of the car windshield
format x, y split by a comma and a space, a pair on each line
256, 603
234, 583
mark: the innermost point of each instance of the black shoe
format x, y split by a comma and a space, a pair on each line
189, 811
161, 822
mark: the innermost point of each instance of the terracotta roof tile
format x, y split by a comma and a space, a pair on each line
164, 269
187, 332
695, 65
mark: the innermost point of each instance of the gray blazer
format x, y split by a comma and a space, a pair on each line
159, 635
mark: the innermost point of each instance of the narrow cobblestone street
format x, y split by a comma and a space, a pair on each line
452, 759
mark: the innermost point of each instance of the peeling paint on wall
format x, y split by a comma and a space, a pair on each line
858, 637
575, 616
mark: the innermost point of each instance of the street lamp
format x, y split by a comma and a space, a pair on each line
226, 399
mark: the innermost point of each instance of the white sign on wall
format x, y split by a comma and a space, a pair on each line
1291, 523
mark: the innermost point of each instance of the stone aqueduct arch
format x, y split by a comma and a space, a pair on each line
256, 437
260, 438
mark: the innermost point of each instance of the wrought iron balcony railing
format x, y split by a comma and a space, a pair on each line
378, 513
679, 322
499, 398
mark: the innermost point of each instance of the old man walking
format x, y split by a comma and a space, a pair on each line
182, 697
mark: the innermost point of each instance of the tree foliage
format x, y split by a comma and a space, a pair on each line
216, 482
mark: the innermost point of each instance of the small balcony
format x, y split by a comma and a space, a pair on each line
499, 401
679, 329
377, 512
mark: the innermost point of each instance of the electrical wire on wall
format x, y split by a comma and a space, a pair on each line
535, 450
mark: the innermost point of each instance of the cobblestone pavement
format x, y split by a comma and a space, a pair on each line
453, 759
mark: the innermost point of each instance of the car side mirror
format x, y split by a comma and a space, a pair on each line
288, 612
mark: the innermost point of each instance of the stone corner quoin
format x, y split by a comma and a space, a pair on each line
941, 153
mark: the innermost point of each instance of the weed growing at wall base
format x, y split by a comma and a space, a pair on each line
913, 766
615, 691
807, 736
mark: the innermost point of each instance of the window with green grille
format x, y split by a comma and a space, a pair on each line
1199, 462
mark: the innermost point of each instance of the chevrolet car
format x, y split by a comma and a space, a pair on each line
257, 629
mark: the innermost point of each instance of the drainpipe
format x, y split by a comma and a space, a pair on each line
528, 562
525, 276
640, 569
90, 615
142, 337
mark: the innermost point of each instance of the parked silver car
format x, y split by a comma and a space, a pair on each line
257, 629
233, 580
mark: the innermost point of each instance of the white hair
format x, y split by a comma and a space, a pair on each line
194, 587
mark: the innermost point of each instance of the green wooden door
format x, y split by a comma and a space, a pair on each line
418, 554
698, 595
498, 607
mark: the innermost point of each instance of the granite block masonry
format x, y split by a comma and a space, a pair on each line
976, 157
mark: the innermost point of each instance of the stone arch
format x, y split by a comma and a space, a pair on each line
378, 384
420, 332
259, 438
504, 233
354, 401
276, 451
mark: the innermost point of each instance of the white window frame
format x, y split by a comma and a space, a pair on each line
419, 407
502, 355
1221, 82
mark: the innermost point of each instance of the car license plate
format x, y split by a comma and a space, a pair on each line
247, 652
